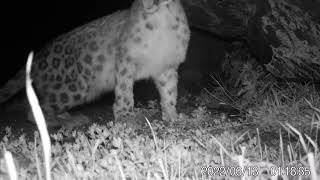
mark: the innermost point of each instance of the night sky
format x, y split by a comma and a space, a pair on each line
28, 25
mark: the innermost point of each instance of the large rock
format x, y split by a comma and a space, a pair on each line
284, 35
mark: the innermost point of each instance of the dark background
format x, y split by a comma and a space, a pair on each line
28, 25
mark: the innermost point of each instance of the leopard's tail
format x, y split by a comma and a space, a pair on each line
13, 86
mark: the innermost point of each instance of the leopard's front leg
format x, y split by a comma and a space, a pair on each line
124, 78
166, 83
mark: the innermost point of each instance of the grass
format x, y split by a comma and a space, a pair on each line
278, 131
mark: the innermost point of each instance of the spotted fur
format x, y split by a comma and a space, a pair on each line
148, 40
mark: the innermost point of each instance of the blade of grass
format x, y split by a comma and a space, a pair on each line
10, 166
40, 120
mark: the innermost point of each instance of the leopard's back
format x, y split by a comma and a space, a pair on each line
148, 40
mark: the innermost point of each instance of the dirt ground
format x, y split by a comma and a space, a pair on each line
14, 112
99, 111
